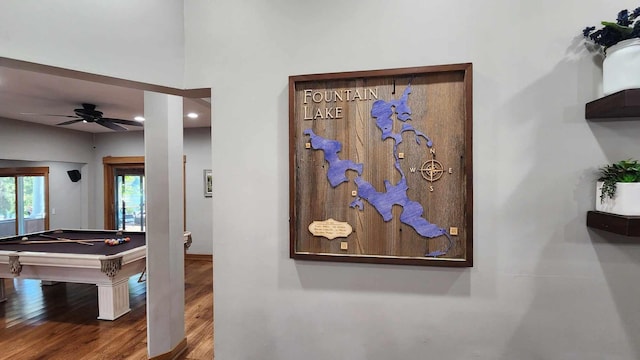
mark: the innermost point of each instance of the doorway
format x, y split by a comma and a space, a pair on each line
124, 193
108, 211
124, 200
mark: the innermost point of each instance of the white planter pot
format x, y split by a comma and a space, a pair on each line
625, 202
621, 67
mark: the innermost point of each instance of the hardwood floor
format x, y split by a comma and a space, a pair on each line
60, 321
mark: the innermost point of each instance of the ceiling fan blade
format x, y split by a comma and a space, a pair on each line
36, 114
70, 122
122, 121
111, 125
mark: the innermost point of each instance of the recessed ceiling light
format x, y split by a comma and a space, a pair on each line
138, 118
192, 115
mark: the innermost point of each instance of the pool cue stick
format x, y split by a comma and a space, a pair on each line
55, 240
65, 239
83, 242
87, 240
33, 242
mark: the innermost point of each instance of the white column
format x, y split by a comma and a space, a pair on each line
164, 192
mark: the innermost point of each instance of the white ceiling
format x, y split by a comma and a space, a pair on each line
23, 91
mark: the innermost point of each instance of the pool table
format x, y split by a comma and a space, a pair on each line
79, 256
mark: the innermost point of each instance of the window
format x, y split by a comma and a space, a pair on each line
24, 200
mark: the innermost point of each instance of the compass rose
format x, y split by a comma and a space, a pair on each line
431, 170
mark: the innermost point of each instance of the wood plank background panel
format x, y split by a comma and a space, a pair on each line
439, 105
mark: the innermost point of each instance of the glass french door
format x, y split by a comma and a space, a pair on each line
124, 199
130, 211
23, 201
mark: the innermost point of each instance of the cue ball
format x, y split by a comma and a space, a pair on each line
25, 238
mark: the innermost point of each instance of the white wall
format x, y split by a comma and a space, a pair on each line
138, 40
543, 285
43, 143
197, 149
64, 149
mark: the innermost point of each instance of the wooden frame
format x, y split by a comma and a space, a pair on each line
380, 166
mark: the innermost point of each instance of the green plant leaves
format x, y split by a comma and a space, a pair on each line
627, 171
623, 29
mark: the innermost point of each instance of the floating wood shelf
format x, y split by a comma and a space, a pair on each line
623, 105
617, 224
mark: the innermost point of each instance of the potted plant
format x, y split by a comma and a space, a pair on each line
620, 43
618, 188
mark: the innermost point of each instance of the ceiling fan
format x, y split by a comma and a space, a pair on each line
89, 114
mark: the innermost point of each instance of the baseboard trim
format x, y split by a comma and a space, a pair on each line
199, 257
173, 354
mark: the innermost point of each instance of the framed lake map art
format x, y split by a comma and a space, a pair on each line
380, 166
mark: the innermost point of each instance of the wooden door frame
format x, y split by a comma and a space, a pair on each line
31, 171
110, 163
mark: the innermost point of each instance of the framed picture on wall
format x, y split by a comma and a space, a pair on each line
208, 183
380, 166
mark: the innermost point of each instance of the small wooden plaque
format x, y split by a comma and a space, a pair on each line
330, 229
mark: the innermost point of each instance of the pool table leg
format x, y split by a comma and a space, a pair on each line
3, 297
113, 299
